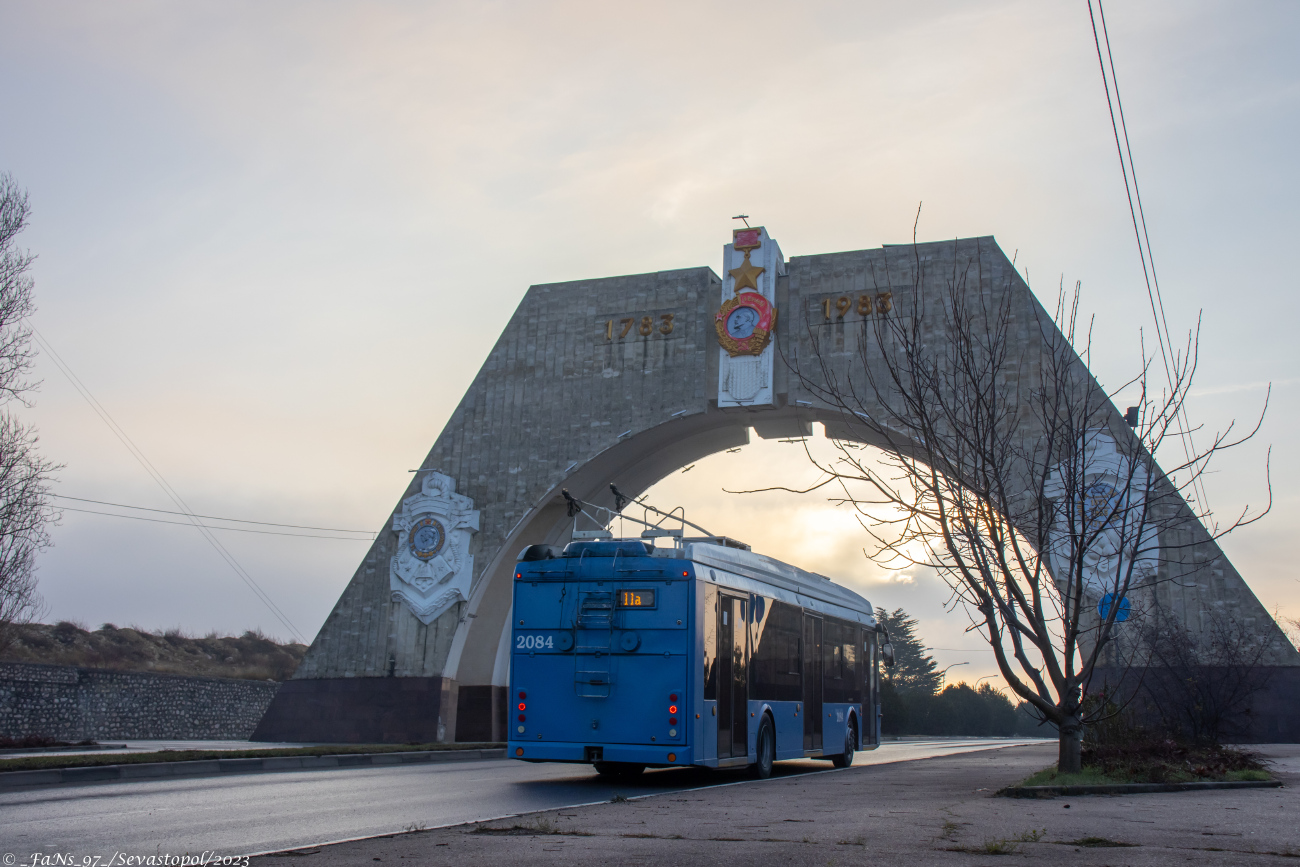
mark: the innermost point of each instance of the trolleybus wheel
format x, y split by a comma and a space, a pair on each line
766, 748
617, 769
850, 745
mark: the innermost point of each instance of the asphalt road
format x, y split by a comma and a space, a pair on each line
271, 812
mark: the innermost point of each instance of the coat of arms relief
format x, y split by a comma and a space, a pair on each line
432, 568
1109, 519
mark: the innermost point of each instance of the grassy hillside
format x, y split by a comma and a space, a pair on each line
251, 656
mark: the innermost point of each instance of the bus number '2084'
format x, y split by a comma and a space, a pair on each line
534, 642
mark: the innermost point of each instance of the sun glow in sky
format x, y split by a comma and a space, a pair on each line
277, 240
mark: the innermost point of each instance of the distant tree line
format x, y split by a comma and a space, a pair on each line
912, 702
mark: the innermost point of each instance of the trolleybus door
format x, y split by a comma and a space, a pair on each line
733, 678
812, 682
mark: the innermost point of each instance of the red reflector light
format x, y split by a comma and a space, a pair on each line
522, 706
672, 757
522, 695
521, 717
673, 697
519, 751
672, 708
672, 720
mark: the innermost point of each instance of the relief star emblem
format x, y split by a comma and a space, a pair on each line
746, 276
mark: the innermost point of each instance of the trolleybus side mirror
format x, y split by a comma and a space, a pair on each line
887, 650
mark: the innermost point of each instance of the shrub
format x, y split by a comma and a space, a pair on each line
253, 656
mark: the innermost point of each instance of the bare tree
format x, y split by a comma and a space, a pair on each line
25, 508
1007, 469
1291, 626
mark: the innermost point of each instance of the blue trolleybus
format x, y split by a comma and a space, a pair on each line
627, 656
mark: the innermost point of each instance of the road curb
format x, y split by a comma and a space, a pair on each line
217, 767
1132, 788
75, 748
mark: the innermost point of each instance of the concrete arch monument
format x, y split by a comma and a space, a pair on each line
621, 379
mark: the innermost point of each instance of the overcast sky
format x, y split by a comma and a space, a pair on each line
276, 241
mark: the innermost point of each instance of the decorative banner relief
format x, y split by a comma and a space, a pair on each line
747, 318
432, 568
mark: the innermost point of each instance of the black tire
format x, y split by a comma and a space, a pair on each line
850, 746
765, 745
618, 770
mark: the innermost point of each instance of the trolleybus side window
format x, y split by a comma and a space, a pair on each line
853, 657
840, 657
776, 653
851, 664
812, 682
710, 621
869, 676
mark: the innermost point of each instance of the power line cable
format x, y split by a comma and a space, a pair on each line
207, 517
1142, 235
1186, 433
227, 529
162, 483
1137, 190
1128, 191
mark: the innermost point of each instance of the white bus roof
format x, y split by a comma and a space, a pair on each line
775, 572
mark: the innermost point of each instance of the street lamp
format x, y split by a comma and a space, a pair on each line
942, 674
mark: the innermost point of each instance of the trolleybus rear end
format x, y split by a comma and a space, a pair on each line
627, 656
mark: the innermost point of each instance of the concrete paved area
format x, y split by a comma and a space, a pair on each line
282, 810
937, 811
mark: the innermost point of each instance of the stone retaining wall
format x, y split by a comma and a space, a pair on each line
77, 703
